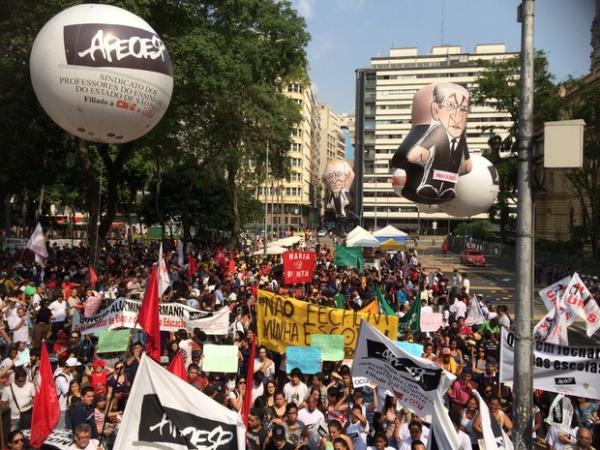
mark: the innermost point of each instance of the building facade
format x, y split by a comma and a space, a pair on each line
384, 94
294, 203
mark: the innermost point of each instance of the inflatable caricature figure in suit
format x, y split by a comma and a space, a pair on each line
435, 151
338, 178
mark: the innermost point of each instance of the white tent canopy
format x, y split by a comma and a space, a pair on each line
271, 250
363, 241
389, 232
356, 231
286, 242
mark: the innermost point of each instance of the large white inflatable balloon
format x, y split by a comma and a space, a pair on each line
398, 181
101, 73
475, 191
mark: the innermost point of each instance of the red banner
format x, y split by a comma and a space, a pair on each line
298, 267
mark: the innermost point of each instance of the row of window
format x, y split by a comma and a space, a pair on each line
294, 87
274, 191
427, 75
296, 162
384, 209
295, 147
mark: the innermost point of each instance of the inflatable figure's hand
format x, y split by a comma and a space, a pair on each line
418, 155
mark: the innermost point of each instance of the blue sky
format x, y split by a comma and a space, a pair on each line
347, 33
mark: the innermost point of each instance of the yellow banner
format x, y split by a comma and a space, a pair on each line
372, 308
285, 321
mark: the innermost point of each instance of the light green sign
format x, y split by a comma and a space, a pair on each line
331, 345
110, 341
220, 358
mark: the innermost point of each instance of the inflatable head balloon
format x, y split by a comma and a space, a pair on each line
476, 191
434, 153
101, 73
338, 177
428, 209
398, 181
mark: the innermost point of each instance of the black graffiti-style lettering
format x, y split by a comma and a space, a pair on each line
207, 440
281, 331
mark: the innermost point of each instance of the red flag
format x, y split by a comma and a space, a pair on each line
93, 277
177, 367
192, 266
46, 410
298, 266
231, 265
148, 317
249, 383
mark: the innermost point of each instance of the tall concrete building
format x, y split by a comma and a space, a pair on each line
384, 95
294, 203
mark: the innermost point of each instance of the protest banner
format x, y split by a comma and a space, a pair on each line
58, 439
560, 414
122, 313
332, 346
494, 436
285, 321
579, 302
307, 359
349, 257
566, 370
110, 341
372, 308
550, 295
552, 328
164, 411
415, 382
431, 321
220, 358
298, 266
475, 314
415, 350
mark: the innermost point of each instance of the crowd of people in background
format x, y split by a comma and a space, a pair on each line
290, 411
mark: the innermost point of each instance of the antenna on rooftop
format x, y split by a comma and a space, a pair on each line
442, 21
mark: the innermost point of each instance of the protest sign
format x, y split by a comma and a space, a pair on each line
164, 411
307, 359
59, 439
550, 295
560, 414
285, 321
579, 302
220, 358
415, 350
566, 370
298, 266
110, 341
552, 328
416, 382
431, 321
332, 346
122, 313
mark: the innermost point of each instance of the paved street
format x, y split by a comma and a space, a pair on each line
495, 284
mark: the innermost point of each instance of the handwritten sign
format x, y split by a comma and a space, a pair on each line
332, 346
431, 321
220, 358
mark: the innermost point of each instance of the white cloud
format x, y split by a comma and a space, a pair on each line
305, 8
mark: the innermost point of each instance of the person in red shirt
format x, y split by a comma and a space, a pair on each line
462, 389
99, 376
463, 328
196, 378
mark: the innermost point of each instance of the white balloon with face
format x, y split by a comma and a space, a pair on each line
476, 191
428, 209
101, 73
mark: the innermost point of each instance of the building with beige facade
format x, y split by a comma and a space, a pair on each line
384, 95
294, 203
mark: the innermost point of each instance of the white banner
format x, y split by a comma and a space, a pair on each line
578, 301
552, 328
475, 314
552, 294
414, 381
560, 414
59, 439
122, 313
163, 411
493, 435
566, 370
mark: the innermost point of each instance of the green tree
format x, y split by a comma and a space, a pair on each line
499, 86
583, 102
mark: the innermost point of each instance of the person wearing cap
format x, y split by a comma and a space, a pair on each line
84, 411
98, 376
63, 375
277, 439
448, 363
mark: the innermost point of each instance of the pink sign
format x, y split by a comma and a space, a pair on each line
431, 321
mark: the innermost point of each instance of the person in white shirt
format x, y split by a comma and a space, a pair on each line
425, 308
19, 396
21, 331
466, 283
459, 309
358, 428
381, 442
415, 430
560, 440
62, 379
82, 439
59, 309
456, 282
463, 438
310, 416
295, 390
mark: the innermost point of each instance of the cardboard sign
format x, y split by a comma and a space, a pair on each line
220, 358
307, 359
431, 322
332, 346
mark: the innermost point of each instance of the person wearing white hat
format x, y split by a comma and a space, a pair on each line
62, 379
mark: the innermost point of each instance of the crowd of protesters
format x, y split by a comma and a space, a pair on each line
293, 410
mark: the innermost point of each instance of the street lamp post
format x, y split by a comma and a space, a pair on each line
266, 203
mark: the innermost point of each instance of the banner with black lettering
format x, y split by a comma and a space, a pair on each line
493, 435
566, 370
163, 411
416, 382
579, 302
298, 266
560, 414
122, 313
